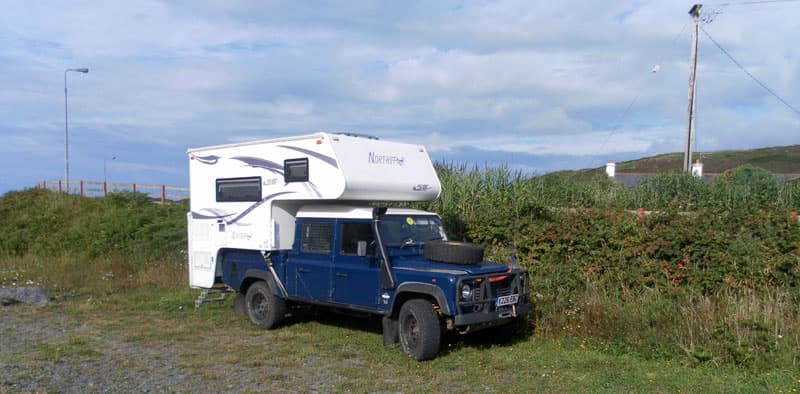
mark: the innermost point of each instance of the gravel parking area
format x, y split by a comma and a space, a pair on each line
46, 351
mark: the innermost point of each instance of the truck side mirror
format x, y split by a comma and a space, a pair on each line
362, 248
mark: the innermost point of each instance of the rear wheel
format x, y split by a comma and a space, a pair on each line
420, 332
264, 308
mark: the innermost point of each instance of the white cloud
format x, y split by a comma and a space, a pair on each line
505, 76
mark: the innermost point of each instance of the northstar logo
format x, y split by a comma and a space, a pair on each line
391, 160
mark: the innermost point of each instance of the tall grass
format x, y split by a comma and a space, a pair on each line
74, 245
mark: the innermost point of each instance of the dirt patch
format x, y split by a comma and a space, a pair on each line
44, 350
23, 295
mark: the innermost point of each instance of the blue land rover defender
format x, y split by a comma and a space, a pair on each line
393, 263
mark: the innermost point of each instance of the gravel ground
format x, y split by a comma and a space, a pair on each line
40, 351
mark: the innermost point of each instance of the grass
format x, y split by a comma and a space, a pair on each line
74, 347
348, 355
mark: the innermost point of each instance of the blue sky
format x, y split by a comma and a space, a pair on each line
539, 85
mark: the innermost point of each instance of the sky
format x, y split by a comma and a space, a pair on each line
536, 85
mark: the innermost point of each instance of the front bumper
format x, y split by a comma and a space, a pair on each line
497, 317
480, 309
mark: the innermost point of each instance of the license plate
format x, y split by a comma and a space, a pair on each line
507, 300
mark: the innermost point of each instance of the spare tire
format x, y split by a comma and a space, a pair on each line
452, 252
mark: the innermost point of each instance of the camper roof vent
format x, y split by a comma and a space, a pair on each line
369, 137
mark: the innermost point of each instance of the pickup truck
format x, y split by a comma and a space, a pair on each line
392, 263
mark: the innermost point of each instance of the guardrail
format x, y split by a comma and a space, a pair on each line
160, 193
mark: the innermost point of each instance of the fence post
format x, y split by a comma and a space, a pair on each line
163, 193
59, 185
134, 188
44, 184
105, 189
81, 188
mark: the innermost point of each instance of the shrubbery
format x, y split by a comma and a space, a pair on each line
43, 223
712, 273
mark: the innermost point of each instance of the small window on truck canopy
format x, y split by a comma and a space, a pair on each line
316, 237
239, 189
295, 170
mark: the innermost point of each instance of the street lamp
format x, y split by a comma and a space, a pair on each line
105, 159
66, 124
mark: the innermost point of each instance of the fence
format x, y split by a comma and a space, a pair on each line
159, 193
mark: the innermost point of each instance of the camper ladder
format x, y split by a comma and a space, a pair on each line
220, 292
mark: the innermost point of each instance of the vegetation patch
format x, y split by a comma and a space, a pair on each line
698, 293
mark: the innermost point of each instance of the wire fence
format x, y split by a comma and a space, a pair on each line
158, 193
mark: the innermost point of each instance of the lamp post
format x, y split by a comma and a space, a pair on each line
105, 159
66, 124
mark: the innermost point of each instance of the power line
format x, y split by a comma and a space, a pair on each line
751, 2
756, 80
618, 124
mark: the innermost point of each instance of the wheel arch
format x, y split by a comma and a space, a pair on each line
253, 275
411, 290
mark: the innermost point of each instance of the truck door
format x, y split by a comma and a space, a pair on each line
356, 274
310, 263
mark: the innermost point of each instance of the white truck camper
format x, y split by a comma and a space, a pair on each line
247, 195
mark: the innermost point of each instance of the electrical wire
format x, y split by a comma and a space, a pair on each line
756, 80
751, 2
618, 123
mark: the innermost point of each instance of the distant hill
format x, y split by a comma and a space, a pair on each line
778, 160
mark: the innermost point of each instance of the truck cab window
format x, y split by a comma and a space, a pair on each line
352, 234
316, 237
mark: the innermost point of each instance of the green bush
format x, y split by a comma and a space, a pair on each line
43, 223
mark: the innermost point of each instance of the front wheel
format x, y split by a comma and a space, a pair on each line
420, 332
264, 308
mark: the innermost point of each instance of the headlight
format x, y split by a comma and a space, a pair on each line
466, 292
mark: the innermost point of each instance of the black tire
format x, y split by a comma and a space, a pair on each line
453, 252
419, 329
264, 308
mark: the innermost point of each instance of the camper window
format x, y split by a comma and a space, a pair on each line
295, 170
316, 237
239, 189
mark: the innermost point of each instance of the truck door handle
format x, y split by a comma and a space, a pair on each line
341, 275
303, 270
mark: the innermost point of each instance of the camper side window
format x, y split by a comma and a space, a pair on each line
239, 189
316, 237
295, 170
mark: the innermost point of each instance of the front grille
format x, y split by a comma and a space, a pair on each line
477, 294
503, 287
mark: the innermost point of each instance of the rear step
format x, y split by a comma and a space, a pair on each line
220, 292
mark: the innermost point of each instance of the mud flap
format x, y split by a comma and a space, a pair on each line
239, 307
390, 331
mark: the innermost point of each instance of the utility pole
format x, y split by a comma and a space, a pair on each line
687, 154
